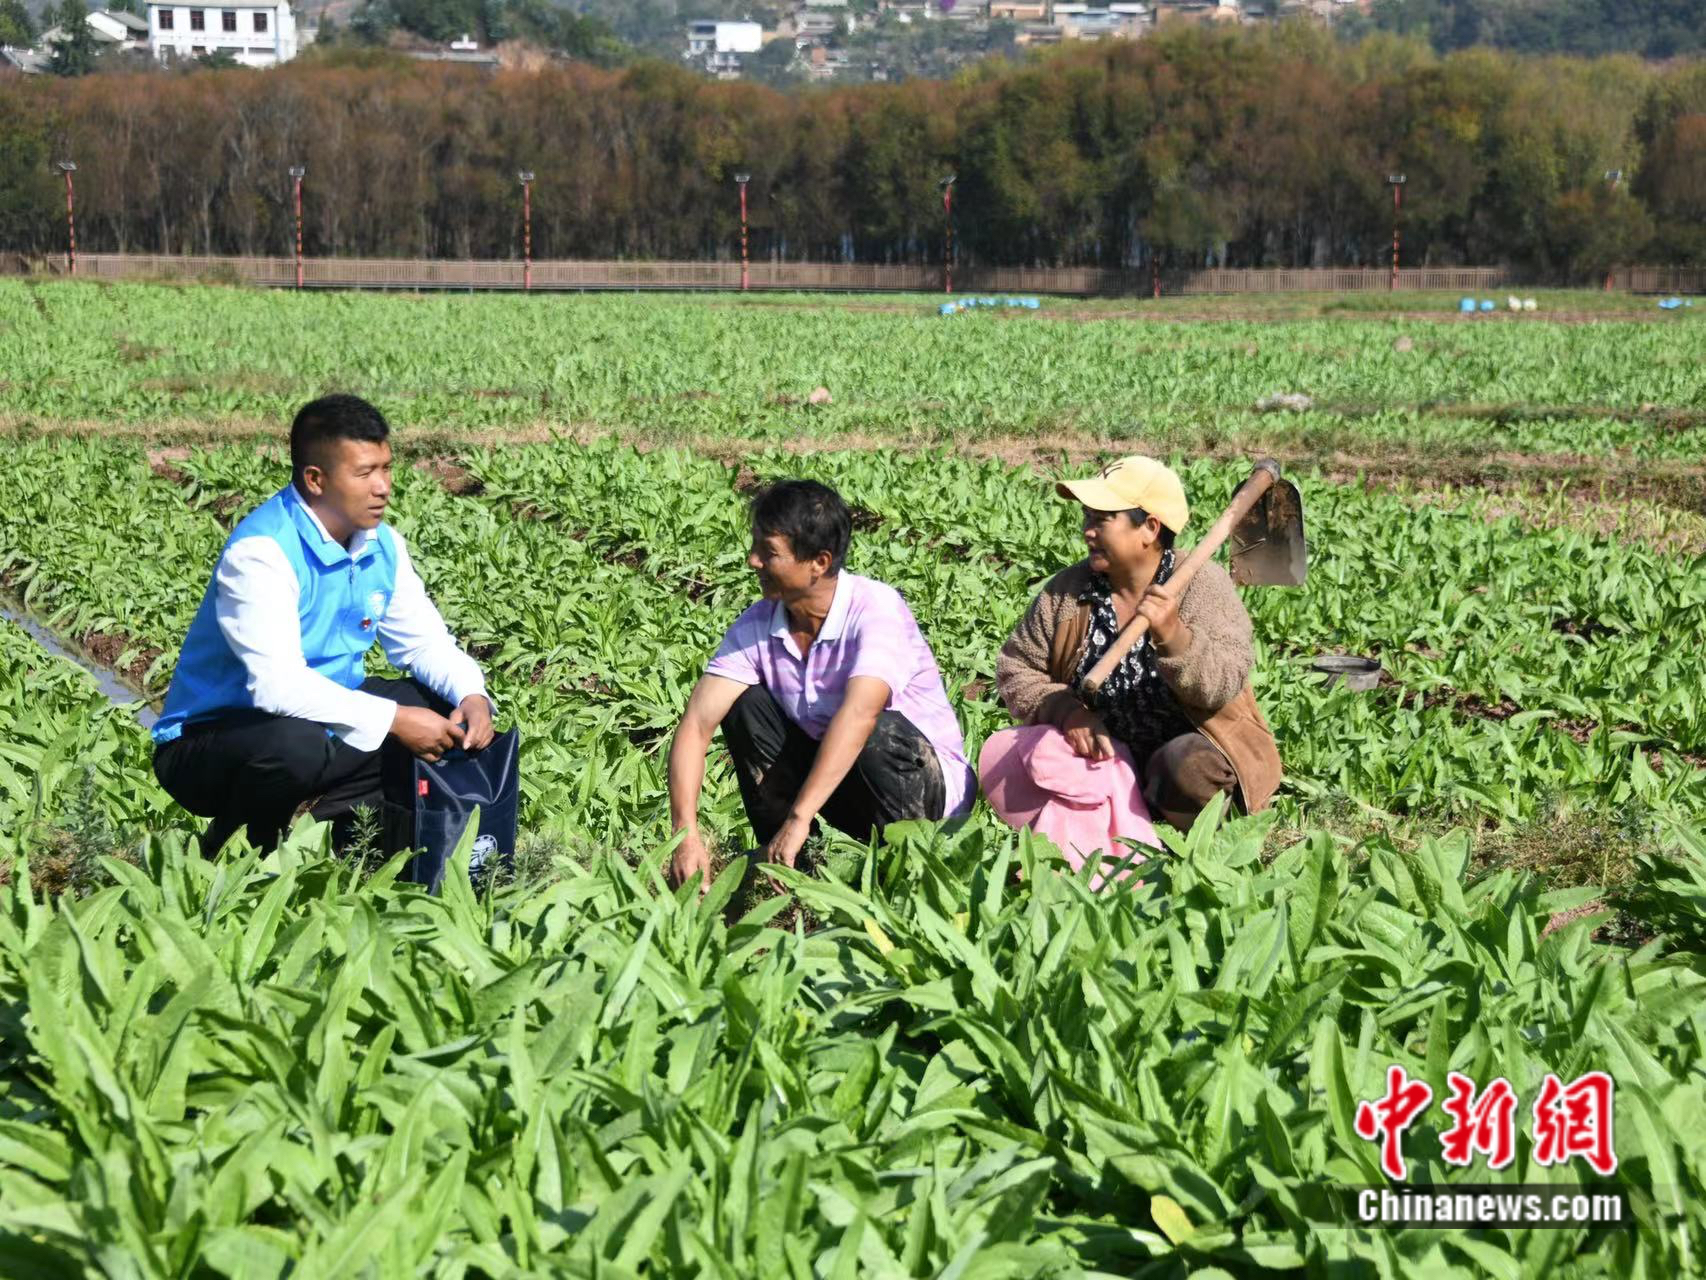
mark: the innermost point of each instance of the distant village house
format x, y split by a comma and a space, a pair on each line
719, 46
256, 33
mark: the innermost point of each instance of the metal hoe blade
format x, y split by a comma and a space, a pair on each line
1267, 544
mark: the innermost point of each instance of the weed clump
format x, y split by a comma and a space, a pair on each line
65, 855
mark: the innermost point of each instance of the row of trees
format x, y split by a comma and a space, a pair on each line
1249, 149
1653, 28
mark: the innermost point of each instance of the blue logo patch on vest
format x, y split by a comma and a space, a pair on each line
341, 599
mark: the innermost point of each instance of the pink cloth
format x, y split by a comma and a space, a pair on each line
869, 631
1032, 778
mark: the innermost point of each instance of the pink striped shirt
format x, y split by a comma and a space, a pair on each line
869, 632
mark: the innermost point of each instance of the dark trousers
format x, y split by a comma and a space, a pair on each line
1182, 775
896, 776
252, 769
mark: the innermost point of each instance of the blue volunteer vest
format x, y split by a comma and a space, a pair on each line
340, 604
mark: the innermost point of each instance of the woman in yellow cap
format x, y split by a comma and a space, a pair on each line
1180, 702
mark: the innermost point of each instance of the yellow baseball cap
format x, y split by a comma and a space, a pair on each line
1133, 482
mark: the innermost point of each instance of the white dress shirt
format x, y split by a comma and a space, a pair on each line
256, 596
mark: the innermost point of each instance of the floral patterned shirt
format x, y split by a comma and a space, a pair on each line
1135, 702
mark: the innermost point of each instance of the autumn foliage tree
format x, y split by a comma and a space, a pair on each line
1672, 183
1266, 148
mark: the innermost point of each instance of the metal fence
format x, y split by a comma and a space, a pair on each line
433, 274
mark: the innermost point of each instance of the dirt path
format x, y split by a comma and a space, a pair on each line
1652, 503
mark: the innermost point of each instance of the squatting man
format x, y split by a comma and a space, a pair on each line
269, 709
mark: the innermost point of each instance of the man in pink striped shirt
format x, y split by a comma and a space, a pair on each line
827, 694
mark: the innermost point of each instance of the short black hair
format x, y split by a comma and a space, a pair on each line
811, 516
1137, 515
319, 422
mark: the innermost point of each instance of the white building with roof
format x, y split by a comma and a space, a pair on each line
119, 27
24, 62
257, 33
108, 28
710, 36
719, 46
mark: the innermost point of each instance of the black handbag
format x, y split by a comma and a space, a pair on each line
429, 809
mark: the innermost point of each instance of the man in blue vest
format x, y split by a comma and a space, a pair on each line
269, 707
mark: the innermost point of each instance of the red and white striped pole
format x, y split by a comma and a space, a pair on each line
947, 185
1397, 182
741, 179
526, 177
68, 168
1612, 178
296, 172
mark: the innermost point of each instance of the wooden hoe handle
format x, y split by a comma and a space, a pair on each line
1249, 494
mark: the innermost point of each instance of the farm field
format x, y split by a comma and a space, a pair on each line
1492, 864
142, 357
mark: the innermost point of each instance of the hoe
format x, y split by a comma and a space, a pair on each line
1264, 520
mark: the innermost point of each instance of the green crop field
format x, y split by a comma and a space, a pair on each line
942, 1055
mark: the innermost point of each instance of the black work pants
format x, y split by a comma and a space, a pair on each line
896, 776
254, 769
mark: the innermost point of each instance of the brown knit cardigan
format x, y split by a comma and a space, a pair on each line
1207, 667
